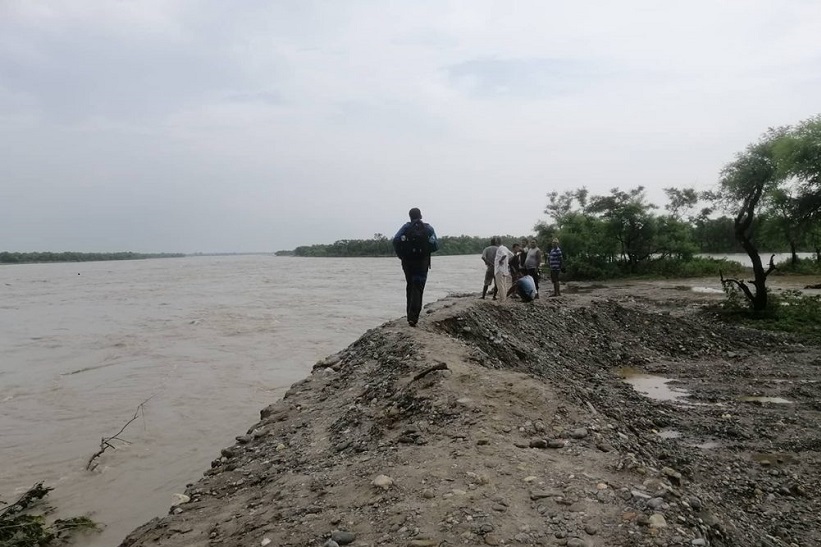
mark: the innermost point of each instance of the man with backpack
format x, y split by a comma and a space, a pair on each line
413, 243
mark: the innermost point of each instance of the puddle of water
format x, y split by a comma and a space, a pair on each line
774, 400
707, 290
669, 434
773, 458
654, 387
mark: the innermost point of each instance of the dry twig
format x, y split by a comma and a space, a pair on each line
105, 442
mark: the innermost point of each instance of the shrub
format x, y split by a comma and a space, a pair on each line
804, 266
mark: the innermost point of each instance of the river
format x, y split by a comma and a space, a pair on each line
210, 340
205, 342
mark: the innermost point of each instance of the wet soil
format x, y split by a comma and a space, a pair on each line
517, 424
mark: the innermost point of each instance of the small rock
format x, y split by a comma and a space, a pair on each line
538, 443
556, 443
672, 474
423, 543
482, 442
179, 499
640, 495
228, 453
330, 543
245, 439
382, 481
694, 502
655, 503
698, 542
428, 494
579, 433
540, 494
343, 537
604, 447
576, 542
265, 541
591, 530
657, 521
491, 539
484, 528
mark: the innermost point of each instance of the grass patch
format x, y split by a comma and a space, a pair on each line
790, 311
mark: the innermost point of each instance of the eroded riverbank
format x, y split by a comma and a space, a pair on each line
512, 424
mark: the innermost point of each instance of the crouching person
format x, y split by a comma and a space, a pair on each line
526, 288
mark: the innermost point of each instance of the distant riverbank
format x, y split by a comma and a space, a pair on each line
69, 256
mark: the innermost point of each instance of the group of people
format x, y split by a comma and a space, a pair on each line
517, 271
513, 272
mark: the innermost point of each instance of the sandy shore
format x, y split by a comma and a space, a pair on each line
515, 424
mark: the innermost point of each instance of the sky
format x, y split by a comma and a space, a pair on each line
254, 126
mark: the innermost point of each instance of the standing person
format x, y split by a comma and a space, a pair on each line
413, 243
488, 256
532, 263
556, 261
502, 271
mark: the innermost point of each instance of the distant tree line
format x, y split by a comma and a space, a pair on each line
28, 258
382, 245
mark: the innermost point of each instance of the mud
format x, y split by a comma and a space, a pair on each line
513, 424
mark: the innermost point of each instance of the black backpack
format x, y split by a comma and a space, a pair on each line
415, 243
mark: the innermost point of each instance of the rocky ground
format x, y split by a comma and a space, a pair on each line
515, 424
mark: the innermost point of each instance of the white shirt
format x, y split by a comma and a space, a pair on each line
501, 265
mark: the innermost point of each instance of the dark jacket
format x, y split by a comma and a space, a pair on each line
432, 241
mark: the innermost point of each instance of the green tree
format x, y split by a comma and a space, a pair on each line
743, 184
629, 221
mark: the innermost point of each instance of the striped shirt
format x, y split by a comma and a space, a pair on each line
554, 258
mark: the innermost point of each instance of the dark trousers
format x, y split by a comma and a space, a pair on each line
534, 273
416, 275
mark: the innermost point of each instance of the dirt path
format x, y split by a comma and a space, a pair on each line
513, 425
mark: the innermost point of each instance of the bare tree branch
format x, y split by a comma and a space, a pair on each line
771, 267
739, 283
105, 442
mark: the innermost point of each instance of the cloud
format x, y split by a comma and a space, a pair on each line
181, 125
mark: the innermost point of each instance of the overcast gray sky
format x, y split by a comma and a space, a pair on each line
175, 125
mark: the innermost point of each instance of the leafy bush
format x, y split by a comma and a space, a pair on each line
586, 269
590, 270
21, 528
804, 266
